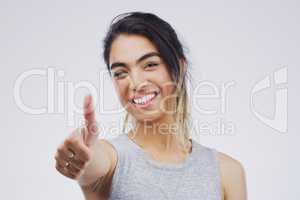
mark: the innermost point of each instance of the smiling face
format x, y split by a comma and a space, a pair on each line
141, 77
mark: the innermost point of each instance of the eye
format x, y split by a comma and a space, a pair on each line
119, 74
151, 65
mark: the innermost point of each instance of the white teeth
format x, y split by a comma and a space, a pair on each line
144, 99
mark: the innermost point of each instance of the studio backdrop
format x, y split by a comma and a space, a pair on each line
244, 86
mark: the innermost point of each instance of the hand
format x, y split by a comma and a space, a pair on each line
75, 154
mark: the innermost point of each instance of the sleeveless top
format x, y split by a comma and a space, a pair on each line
137, 176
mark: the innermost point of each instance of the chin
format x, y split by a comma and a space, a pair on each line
148, 118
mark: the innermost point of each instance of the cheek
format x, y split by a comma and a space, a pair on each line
166, 83
121, 89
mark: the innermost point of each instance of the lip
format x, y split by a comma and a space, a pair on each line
150, 102
141, 95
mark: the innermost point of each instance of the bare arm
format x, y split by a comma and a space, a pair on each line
233, 178
84, 158
105, 165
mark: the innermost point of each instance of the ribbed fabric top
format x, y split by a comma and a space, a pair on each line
137, 176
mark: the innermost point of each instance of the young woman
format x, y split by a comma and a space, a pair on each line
156, 159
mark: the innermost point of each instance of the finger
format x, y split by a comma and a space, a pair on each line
72, 169
81, 150
68, 165
88, 110
69, 155
88, 137
64, 171
91, 129
59, 160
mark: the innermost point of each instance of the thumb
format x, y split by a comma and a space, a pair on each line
91, 128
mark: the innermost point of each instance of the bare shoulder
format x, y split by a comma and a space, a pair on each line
233, 177
229, 163
110, 151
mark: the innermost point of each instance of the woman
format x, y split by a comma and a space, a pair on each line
156, 159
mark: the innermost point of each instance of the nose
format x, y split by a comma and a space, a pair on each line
137, 81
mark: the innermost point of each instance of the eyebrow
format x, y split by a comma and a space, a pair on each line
145, 56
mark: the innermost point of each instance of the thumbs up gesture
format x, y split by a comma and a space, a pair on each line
90, 131
81, 156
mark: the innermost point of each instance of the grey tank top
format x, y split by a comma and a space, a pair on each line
137, 176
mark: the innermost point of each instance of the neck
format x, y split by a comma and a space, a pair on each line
157, 135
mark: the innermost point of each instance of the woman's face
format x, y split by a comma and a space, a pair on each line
140, 77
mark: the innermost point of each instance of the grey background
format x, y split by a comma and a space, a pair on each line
240, 41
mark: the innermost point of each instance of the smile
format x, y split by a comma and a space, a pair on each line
145, 100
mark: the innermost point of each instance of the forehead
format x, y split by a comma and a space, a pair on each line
128, 48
